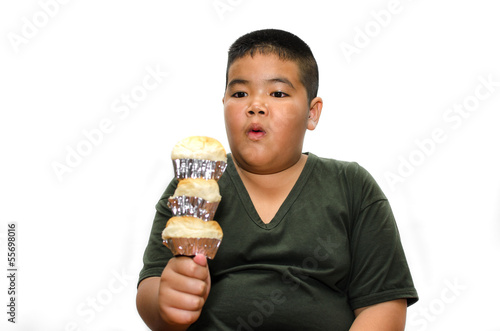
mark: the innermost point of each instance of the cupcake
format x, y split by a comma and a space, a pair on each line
195, 197
188, 236
199, 157
198, 163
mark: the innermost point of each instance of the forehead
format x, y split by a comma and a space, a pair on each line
263, 66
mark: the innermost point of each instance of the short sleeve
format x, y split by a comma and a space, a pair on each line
379, 270
156, 255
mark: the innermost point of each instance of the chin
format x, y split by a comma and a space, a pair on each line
264, 165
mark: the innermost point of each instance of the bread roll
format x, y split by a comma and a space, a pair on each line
199, 147
198, 187
191, 227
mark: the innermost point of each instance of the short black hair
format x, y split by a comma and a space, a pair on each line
286, 46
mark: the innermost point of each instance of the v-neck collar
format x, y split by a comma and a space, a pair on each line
285, 206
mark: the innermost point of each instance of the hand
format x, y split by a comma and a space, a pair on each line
184, 288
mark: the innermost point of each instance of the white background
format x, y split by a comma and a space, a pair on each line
81, 236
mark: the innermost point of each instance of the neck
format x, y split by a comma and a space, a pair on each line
273, 180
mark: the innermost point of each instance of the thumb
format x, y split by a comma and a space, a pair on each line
200, 259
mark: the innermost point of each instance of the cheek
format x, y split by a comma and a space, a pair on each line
227, 113
232, 123
291, 120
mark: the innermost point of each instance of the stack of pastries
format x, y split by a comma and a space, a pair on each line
198, 162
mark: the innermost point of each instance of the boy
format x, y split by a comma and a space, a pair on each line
309, 243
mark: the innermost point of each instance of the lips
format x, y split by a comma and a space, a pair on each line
255, 132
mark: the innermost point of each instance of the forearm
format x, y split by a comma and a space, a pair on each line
147, 306
386, 316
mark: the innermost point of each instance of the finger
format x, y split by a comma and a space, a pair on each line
187, 267
179, 316
175, 277
200, 259
189, 285
180, 300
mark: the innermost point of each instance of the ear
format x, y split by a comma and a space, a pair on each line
314, 113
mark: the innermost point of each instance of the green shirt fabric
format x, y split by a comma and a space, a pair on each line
332, 247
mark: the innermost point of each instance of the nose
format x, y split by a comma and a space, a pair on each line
257, 107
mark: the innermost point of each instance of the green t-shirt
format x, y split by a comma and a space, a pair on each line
332, 247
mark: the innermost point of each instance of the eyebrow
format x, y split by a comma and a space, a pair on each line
271, 80
281, 80
237, 82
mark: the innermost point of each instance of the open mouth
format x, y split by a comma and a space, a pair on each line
256, 132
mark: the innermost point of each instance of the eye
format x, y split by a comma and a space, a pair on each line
239, 95
279, 94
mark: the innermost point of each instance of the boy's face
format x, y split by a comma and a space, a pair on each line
267, 113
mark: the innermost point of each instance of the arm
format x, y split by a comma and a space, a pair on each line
385, 316
174, 301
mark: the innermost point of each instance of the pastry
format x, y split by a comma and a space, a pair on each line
199, 147
195, 197
186, 235
199, 157
198, 163
197, 187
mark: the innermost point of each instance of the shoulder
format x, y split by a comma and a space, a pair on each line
347, 169
170, 189
162, 205
357, 181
